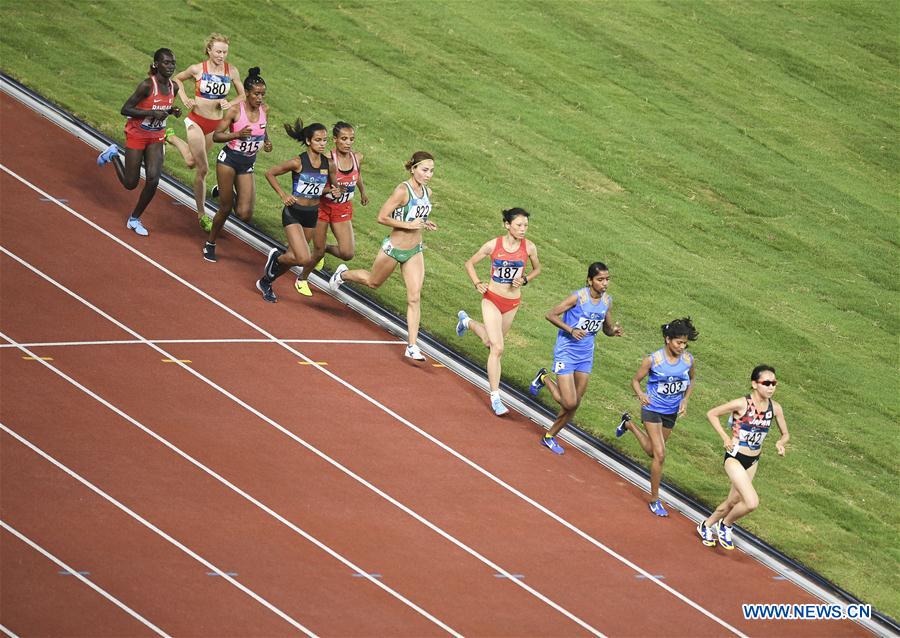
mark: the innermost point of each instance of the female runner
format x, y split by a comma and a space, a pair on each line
147, 109
750, 419
406, 211
244, 130
310, 172
502, 294
669, 387
336, 211
213, 79
579, 317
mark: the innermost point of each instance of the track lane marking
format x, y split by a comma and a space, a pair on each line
215, 475
132, 342
322, 455
80, 575
587, 537
143, 521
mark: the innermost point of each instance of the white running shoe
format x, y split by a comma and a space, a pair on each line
137, 226
335, 282
498, 407
413, 352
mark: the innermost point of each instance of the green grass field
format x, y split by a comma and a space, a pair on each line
735, 162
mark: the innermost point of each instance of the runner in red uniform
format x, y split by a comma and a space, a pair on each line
146, 110
501, 296
336, 210
213, 81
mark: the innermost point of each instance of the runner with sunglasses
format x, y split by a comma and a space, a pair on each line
750, 419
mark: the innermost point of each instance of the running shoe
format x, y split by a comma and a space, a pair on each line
205, 223
265, 287
413, 352
538, 382
136, 225
550, 443
270, 270
622, 428
707, 535
320, 264
498, 407
657, 508
724, 534
302, 286
106, 156
209, 252
335, 282
462, 324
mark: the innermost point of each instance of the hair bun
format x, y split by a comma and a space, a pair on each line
253, 72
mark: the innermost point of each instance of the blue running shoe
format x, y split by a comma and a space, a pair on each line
106, 156
265, 287
550, 443
657, 508
538, 382
622, 429
136, 225
498, 407
724, 533
462, 324
707, 535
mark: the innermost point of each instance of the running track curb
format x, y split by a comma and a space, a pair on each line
607, 456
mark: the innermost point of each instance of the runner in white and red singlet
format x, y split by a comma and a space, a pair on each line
213, 80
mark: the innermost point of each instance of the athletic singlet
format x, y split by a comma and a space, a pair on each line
310, 182
345, 179
156, 101
668, 381
751, 428
507, 265
211, 85
415, 208
587, 315
249, 146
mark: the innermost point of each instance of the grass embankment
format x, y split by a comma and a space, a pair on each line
733, 162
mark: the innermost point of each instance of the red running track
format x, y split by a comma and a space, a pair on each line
165, 437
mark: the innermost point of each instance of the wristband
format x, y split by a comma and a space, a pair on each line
524, 280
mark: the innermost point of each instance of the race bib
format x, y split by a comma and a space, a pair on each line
591, 326
310, 186
670, 388
213, 87
752, 438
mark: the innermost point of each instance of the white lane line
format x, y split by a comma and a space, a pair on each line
584, 535
265, 508
7, 631
118, 603
143, 521
285, 431
128, 342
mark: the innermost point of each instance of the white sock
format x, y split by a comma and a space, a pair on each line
495, 395
466, 322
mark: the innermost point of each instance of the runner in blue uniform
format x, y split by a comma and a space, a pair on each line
669, 386
579, 317
750, 419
